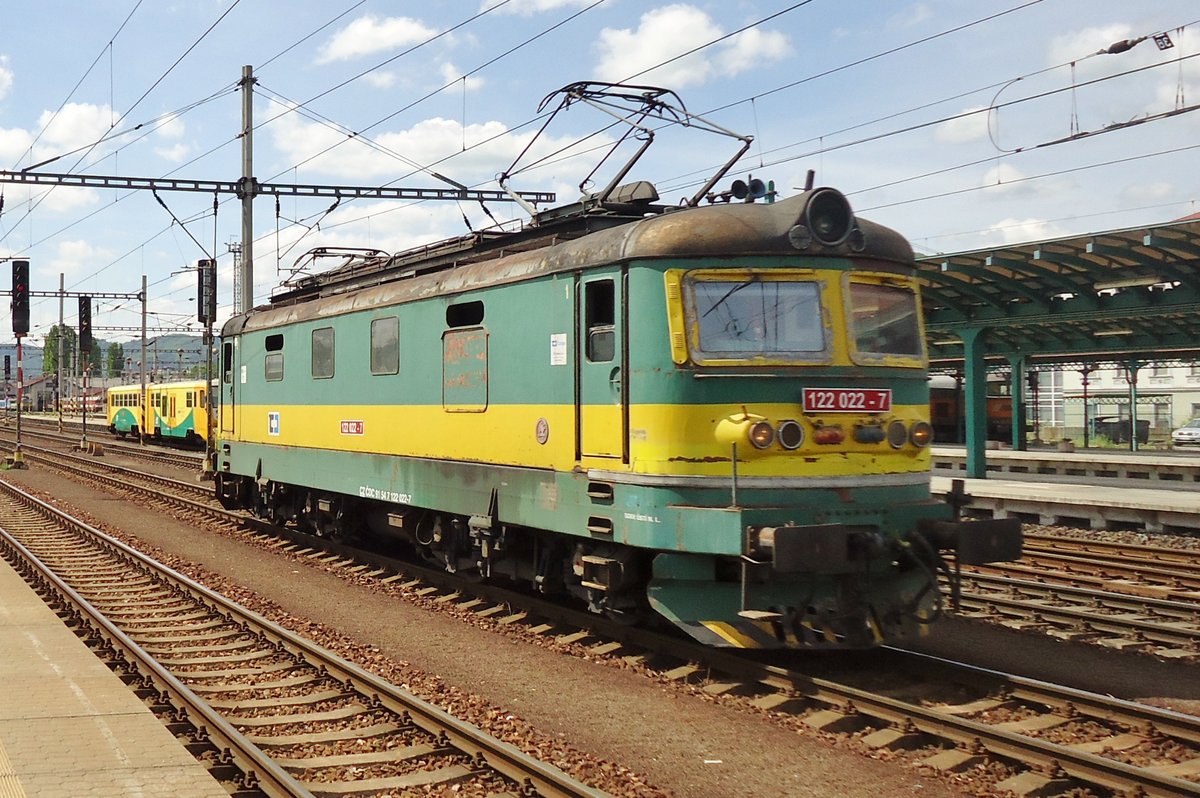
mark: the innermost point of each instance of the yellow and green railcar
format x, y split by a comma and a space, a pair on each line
177, 411
124, 405
716, 416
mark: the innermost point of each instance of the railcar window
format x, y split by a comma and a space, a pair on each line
187, 399
464, 314
273, 367
322, 353
884, 320
757, 317
385, 345
227, 362
275, 342
600, 317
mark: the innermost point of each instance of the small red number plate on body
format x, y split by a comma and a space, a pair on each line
847, 400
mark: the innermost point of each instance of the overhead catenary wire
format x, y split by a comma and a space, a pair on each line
760, 139
358, 134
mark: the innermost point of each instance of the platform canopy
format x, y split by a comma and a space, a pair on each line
1105, 298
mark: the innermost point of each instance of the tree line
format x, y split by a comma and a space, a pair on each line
109, 362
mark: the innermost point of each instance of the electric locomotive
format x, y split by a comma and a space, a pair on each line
716, 416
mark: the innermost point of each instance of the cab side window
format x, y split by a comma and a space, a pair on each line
273, 363
600, 320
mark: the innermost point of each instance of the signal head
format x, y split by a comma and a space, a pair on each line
20, 297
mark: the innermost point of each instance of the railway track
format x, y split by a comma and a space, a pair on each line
164, 455
293, 718
1149, 571
1163, 628
1040, 738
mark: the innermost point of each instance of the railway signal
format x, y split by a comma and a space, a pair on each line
20, 297
206, 291
85, 324
20, 326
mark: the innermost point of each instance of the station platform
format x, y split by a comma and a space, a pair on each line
69, 726
1156, 509
1149, 465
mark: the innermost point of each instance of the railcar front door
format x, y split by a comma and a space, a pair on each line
603, 366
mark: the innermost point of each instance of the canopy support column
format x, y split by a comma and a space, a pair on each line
1085, 372
1016, 390
975, 402
1131, 376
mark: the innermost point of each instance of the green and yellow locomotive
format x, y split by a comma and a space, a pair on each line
717, 415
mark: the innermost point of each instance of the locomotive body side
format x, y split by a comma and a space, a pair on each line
590, 417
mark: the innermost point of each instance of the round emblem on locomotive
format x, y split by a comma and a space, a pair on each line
543, 431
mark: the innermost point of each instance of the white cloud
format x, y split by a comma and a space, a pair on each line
381, 79
370, 34
911, 16
451, 73
972, 127
1079, 45
14, 143
6, 77
74, 258
75, 126
1003, 175
527, 8
59, 199
676, 29
170, 127
427, 142
1014, 231
176, 153
752, 47
1150, 192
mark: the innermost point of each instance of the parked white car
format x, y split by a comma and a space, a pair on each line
1188, 434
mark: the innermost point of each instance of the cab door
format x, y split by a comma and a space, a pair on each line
603, 366
229, 387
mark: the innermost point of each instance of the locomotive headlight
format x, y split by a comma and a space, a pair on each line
828, 216
791, 435
897, 434
761, 434
921, 434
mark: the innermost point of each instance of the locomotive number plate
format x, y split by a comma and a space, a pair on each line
847, 400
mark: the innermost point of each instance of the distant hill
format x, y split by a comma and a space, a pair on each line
167, 355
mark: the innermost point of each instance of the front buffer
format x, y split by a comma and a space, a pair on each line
823, 586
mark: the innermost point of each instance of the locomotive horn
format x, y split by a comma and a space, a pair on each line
755, 189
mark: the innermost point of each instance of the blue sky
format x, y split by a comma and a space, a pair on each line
887, 101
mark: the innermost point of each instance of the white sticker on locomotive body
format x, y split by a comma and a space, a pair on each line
273, 422
558, 349
243, 375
